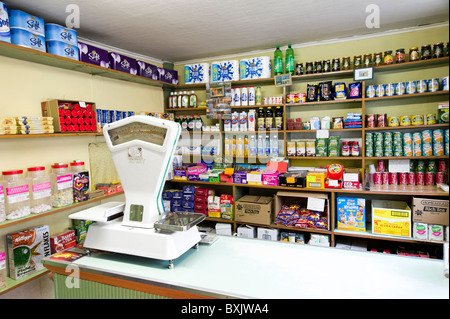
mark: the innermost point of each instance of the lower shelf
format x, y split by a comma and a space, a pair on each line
12, 284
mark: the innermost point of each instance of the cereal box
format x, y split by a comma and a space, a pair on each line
26, 249
351, 214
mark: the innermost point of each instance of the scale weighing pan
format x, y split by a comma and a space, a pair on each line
179, 221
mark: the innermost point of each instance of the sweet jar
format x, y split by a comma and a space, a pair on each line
40, 190
17, 194
62, 185
80, 181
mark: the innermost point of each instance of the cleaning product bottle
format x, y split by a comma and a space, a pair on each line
278, 61
289, 64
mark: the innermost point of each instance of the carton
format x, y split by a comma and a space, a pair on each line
315, 180
391, 218
62, 241
254, 178
93, 55
223, 229
351, 180
430, 211
246, 231
147, 70
294, 179
254, 209
268, 233
351, 214
122, 63
26, 249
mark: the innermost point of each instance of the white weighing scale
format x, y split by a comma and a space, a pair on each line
142, 148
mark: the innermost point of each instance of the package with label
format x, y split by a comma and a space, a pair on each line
62, 241
351, 214
436, 233
246, 231
214, 206
2, 270
222, 71
226, 206
196, 73
255, 68
268, 233
391, 218
420, 231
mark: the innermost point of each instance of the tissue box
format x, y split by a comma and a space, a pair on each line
122, 63
93, 55
225, 71
196, 73
147, 70
240, 177
270, 178
255, 68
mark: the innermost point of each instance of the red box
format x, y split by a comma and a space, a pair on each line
62, 241
204, 191
200, 199
226, 178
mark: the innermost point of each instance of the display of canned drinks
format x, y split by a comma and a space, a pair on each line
409, 87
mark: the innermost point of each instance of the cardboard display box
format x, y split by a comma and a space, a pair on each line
430, 211
254, 209
391, 218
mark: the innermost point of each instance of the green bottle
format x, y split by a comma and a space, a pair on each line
278, 61
289, 64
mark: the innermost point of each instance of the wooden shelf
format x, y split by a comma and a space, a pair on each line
409, 127
406, 157
186, 109
12, 284
339, 158
326, 102
48, 135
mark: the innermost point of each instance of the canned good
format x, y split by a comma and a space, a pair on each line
369, 150
381, 120
309, 68
431, 167
411, 178
433, 85
370, 91
393, 178
441, 178
426, 136
370, 120
407, 139
438, 136
385, 178
422, 86
400, 88
405, 120
388, 151
301, 97
318, 67
326, 65
445, 83
398, 150
378, 137
431, 119
378, 152
377, 178
420, 167
429, 178
442, 166
438, 149
427, 149
390, 89
387, 137
290, 98
420, 178
402, 178
393, 121
417, 150
379, 90
417, 119
381, 166
410, 87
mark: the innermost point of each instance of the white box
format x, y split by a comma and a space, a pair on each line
246, 231
256, 68
222, 71
267, 233
436, 233
196, 73
223, 229
319, 240
420, 231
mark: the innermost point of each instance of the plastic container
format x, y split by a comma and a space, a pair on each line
2, 269
2, 204
62, 185
80, 181
17, 194
40, 190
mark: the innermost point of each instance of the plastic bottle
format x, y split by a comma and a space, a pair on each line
246, 146
269, 118
274, 146
184, 123
180, 99
178, 119
185, 100
62, 185
258, 96
239, 146
260, 146
40, 190
267, 146
251, 95
233, 145
17, 194
279, 118
192, 99
227, 148
235, 121
191, 123
80, 181
252, 146
278, 61
171, 100
198, 123
244, 96
232, 97
237, 97
289, 64
261, 119
2, 203
243, 121
251, 120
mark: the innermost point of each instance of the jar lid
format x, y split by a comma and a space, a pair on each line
12, 172
76, 163
389, 51
414, 48
35, 169
400, 49
59, 165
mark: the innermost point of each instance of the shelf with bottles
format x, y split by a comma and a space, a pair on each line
183, 100
253, 146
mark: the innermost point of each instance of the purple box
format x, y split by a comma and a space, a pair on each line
123, 63
193, 178
147, 70
93, 55
240, 177
168, 76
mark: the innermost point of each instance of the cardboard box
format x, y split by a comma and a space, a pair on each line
294, 179
223, 229
62, 241
315, 180
168, 76
351, 214
246, 231
268, 233
93, 55
350, 179
147, 70
430, 211
122, 63
254, 209
391, 218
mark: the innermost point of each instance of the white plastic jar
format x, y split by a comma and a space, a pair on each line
40, 190
62, 185
2, 204
17, 194
2, 269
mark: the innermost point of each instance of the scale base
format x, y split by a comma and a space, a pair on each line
149, 243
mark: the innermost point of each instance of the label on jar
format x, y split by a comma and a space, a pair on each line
64, 181
1, 195
2, 261
17, 194
41, 190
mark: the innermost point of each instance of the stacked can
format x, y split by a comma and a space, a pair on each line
369, 144
438, 142
427, 148
400, 88
446, 151
441, 174
407, 144
388, 144
420, 172
417, 144
378, 144
398, 143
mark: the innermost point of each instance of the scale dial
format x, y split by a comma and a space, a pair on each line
138, 131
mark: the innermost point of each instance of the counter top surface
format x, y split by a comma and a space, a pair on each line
235, 267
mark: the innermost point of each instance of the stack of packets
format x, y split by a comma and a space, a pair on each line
8, 126
295, 216
35, 125
353, 120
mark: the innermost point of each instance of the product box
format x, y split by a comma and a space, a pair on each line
214, 175
246, 231
255, 68
93, 55
351, 214
300, 148
147, 70
254, 178
291, 149
222, 71
430, 211
214, 206
350, 179
254, 209
226, 206
318, 202
62, 241
196, 73
436, 233
270, 178
26, 249
80, 186
240, 177
391, 218
122, 63
420, 231
315, 180
443, 113
293, 179
223, 229
168, 76
268, 233
180, 174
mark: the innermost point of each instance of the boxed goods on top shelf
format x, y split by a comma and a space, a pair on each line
61, 41
27, 30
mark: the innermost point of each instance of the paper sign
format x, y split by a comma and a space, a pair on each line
398, 166
82, 104
322, 134
317, 204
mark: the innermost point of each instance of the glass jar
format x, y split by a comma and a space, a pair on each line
377, 59
367, 61
336, 66
400, 56
318, 67
17, 194
414, 54
299, 69
309, 68
346, 64
388, 57
438, 50
80, 181
62, 185
2, 204
357, 61
40, 190
326, 65
425, 53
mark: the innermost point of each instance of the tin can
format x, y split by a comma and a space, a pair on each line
370, 120
407, 139
426, 136
378, 137
387, 136
441, 178
390, 89
400, 88
405, 120
427, 149
402, 178
446, 135
130, 113
422, 86
381, 166
377, 178
118, 115
417, 150
370, 91
420, 178
393, 178
430, 178
105, 114
397, 136
379, 90
301, 97
111, 116
385, 178
388, 151
290, 98
410, 87
438, 136
442, 166
445, 83
307, 125
379, 151
438, 149
420, 167
446, 148
433, 85
417, 119
431, 167
398, 150
381, 120
393, 121
411, 178
369, 150
431, 119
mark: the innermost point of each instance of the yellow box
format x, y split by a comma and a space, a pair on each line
214, 214
315, 180
391, 218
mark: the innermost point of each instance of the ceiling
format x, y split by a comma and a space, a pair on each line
182, 30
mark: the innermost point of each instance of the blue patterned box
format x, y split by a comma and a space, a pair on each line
256, 68
196, 73
23, 20
222, 71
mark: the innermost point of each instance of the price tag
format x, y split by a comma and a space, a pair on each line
82, 104
322, 134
